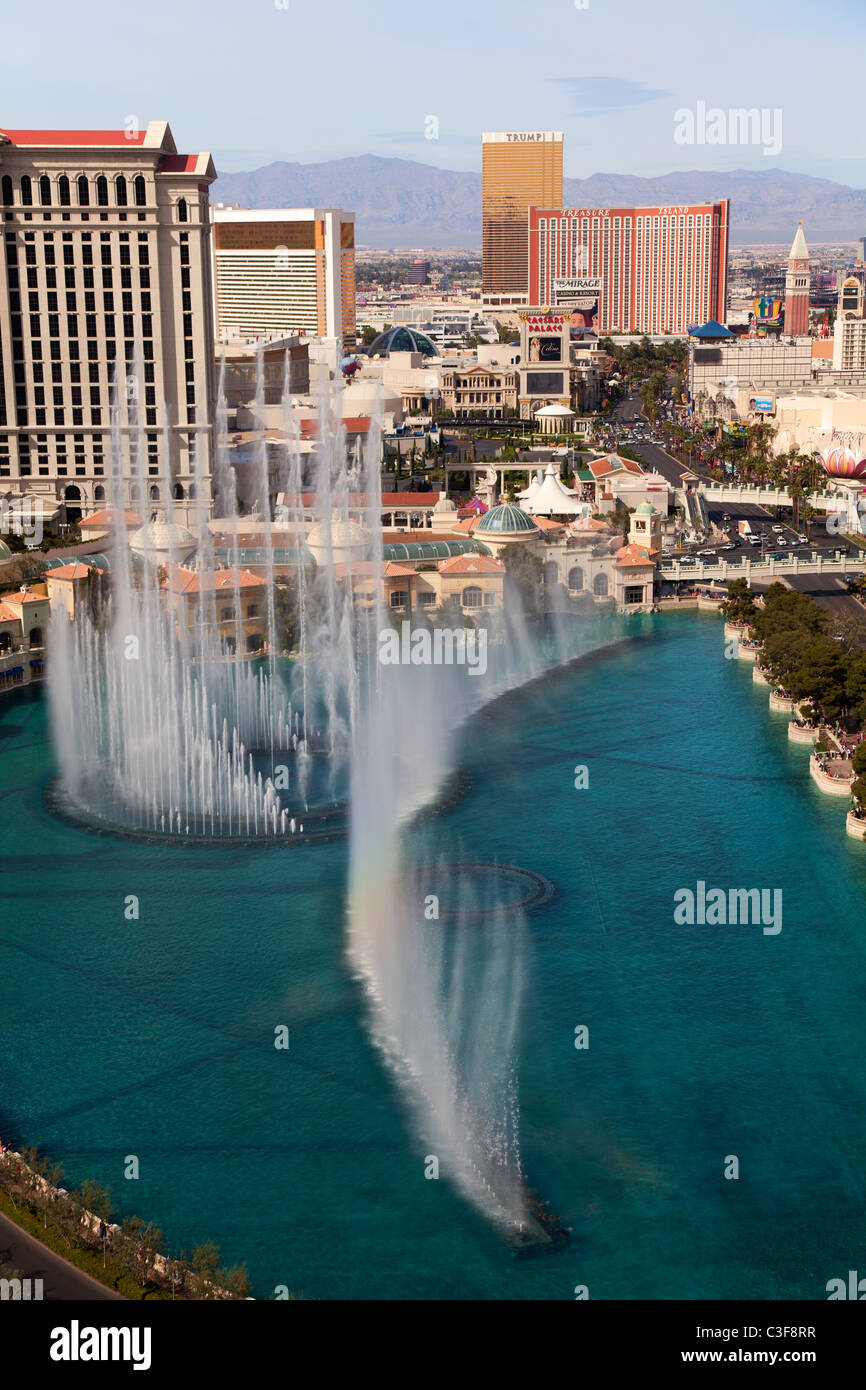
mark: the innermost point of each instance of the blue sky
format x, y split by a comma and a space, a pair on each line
323, 79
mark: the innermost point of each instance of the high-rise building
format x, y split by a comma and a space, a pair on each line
797, 282
286, 270
105, 268
419, 271
849, 330
631, 270
861, 250
518, 169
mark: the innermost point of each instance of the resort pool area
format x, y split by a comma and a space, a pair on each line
154, 1035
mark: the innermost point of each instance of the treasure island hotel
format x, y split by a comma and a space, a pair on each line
637, 269
105, 263
519, 169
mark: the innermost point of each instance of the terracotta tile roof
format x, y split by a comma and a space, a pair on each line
183, 581
471, 564
74, 571
634, 555
395, 571
24, 598
602, 468
354, 424
547, 525
105, 517
7, 616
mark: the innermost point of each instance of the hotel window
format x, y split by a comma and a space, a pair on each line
120, 191
140, 191
181, 210
102, 191
26, 191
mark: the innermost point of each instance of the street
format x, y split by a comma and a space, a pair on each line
28, 1257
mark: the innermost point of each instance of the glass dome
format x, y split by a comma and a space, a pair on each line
506, 520
401, 338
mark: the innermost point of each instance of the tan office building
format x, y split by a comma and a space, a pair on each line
285, 271
105, 258
518, 170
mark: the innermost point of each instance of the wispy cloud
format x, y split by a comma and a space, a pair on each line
601, 96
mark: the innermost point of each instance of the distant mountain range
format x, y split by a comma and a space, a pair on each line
401, 204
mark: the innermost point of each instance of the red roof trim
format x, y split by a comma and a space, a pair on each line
73, 137
177, 164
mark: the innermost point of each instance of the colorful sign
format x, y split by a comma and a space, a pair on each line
543, 323
545, 349
762, 405
767, 312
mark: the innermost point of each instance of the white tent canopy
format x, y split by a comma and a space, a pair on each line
552, 498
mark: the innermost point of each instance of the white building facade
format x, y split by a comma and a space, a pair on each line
104, 272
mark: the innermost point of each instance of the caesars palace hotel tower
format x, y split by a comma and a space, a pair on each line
104, 261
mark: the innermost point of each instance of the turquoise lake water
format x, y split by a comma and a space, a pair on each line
155, 1037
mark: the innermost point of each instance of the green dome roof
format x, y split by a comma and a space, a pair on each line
505, 520
645, 509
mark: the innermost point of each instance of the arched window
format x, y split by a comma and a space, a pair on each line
35, 637
191, 493
63, 191
599, 585
120, 191
551, 572
255, 642
83, 191
26, 191
102, 191
45, 191
154, 493
140, 191
7, 191
399, 598
575, 578
177, 492
72, 500
472, 597
99, 493
181, 210
134, 493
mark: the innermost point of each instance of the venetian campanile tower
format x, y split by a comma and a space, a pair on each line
797, 288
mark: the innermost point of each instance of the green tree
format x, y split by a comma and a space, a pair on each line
523, 589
